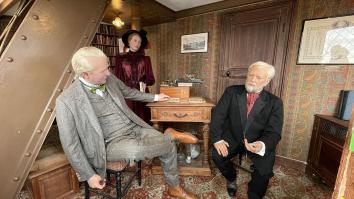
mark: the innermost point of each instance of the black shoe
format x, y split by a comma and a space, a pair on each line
231, 188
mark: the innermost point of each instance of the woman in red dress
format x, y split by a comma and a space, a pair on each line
134, 69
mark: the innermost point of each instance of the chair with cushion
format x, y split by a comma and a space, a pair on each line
117, 169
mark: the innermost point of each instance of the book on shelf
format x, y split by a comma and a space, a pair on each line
106, 39
185, 84
192, 100
196, 100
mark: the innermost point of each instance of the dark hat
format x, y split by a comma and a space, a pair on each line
141, 33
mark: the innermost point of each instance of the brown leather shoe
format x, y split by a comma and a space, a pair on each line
183, 137
180, 193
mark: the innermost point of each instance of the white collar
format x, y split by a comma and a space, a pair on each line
88, 84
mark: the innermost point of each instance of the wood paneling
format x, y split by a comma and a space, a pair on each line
149, 11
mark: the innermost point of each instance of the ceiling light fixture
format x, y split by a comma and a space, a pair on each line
118, 22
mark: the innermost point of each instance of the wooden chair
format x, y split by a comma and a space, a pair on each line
117, 169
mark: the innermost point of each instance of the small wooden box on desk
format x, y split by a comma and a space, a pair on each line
181, 92
185, 112
327, 140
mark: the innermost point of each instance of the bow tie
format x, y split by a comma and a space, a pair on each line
102, 88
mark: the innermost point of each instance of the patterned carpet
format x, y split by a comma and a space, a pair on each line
286, 184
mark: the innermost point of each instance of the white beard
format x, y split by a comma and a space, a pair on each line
253, 89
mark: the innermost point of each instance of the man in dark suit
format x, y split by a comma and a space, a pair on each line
248, 119
96, 125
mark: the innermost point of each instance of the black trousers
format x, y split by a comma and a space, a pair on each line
257, 187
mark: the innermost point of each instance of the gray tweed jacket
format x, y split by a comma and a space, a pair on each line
80, 131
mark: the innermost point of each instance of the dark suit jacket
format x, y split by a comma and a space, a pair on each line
229, 122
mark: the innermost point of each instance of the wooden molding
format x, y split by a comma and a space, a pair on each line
290, 163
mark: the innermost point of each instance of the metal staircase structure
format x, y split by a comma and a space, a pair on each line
34, 70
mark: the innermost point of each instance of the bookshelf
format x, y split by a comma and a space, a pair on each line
106, 39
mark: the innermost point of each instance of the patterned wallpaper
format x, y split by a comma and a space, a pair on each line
311, 89
307, 89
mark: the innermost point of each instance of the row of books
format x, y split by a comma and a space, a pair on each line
112, 62
109, 50
107, 29
106, 40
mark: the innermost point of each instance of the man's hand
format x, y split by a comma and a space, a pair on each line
222, 148
163, 97
96, 182
254, 147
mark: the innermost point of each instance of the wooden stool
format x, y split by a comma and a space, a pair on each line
117, 169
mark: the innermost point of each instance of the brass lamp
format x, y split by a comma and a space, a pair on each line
118, 22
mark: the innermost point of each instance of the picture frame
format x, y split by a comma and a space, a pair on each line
327, 41
193, 43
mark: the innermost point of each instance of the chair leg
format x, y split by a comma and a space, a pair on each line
87, 190
139, 173
108, 177
118, 184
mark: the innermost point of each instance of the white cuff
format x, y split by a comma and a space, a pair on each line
262, 151
156, 98
219, 141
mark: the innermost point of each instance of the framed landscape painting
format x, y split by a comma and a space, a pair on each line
193, 43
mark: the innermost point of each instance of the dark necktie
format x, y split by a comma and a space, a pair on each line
251, 99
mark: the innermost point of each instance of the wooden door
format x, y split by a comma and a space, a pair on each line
256, 33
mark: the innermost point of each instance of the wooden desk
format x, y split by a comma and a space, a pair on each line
185, 112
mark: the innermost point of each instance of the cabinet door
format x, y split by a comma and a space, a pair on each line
328, 160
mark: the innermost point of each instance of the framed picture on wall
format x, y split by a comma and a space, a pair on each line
327, 41
194, 43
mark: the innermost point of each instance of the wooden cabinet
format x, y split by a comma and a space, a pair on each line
327, 140
185, 112
59, 181
106, 39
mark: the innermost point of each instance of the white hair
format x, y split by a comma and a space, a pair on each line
263, 65
79, 60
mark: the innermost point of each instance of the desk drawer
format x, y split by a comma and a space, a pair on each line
180, 115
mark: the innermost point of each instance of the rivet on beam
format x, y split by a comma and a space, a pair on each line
18, 132
49, 110
35, 17
93, 21
39, 131
9, 59
59, 90
68, 71
16, 179
23, 37
85, 36
28, 154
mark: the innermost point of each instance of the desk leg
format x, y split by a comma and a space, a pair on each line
205, 143
156, 125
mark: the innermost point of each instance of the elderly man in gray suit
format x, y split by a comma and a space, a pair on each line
96, 125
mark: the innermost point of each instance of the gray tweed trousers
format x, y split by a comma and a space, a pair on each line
146, 144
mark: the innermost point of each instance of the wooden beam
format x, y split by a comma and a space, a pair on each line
221, 5
5, 5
